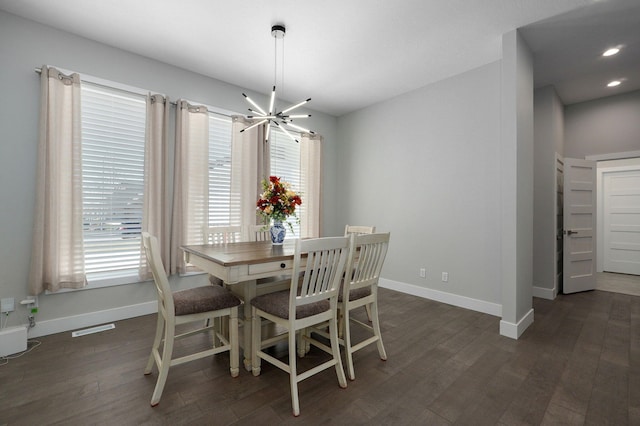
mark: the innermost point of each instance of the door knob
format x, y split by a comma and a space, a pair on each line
569, 232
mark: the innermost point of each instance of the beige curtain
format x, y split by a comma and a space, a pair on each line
154, 212
57, 256
191, 181
250, 164
311, 179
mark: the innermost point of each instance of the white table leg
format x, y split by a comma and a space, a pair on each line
247, 291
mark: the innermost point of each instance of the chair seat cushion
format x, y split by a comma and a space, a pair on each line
203, 299
277, 304
356, 294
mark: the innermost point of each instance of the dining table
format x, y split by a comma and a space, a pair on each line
244, 267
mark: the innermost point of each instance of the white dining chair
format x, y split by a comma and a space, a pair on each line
358, 229
360, 288
220, 235
311, 299
198, 304
258, 233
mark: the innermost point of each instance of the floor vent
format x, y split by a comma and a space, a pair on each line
92, 330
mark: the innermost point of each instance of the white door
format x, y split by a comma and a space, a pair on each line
622, 221
579, 223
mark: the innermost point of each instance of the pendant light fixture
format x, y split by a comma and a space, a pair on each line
280, 119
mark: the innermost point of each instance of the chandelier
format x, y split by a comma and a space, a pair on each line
280, 119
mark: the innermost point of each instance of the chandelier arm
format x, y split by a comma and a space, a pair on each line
291, 108
286, 132
273, 100
254, 125
254, 104
266, 135
299, 128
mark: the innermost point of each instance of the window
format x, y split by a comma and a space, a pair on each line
222, 210
285, 163
113, 146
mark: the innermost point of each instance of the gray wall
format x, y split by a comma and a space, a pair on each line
25, 45
426, 166
603, 126
516, 164
548, 141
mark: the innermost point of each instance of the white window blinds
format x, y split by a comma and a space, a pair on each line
222, 209
285, 163
113, 141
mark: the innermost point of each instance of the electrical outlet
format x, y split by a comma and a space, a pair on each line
445, 277
7, 305
423, 273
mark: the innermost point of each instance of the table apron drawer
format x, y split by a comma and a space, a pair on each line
261, 268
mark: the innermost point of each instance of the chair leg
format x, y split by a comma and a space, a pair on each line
376, 330
293, 373
368, 309
256, 342
346, 336
156, 343
234, 363
163, 368
335, 347
302, 342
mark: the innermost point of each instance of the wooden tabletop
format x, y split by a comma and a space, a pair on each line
243, 253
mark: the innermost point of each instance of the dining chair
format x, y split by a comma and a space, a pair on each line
218, 235
187, 306
222, 234
360, 288
258, 233
358, 229
311, 299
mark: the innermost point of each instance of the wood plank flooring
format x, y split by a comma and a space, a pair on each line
578, 364
618, 283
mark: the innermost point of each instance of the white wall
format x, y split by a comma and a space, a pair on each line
426, 167
25, 45
548, 141
603, 126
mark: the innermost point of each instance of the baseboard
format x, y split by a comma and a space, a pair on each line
74, 322
13, 340
545, 293
441, 296
514, 331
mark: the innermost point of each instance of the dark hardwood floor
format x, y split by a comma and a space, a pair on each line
579, 363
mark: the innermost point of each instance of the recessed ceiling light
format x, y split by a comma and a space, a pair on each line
611, 52
613, 83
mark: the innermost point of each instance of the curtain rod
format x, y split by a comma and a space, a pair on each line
39, 71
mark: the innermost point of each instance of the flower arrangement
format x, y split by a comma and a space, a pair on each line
278, 201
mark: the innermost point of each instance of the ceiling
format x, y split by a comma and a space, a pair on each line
568, 50
347, 54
